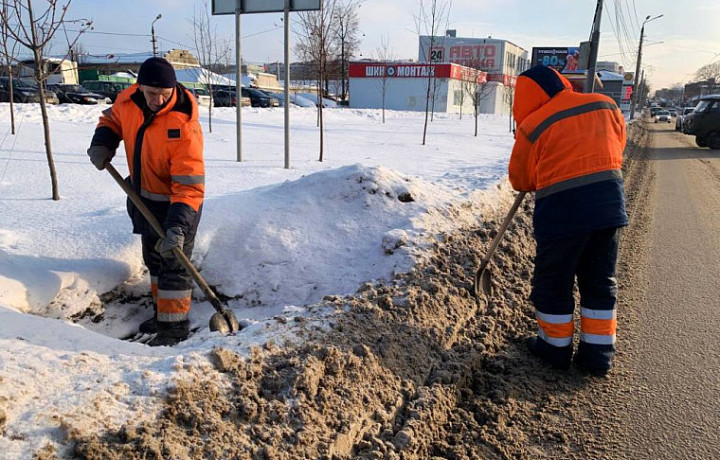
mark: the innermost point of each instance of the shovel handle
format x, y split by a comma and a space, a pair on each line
177, 252
501, 230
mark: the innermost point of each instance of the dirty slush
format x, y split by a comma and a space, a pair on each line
410, 369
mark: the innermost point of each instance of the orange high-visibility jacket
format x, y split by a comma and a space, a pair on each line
569, 150
166, 149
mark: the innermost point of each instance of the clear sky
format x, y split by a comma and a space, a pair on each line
689, 29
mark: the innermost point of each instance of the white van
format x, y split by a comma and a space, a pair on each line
59, 70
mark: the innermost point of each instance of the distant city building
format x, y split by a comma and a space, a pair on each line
694, 91
405, 86
93, 67
610, 66
490, 55
180, 59
502, 60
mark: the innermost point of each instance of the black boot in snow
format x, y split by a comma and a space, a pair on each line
170, 334
149, 326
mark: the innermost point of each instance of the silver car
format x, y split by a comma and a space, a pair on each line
663, 115
681, 118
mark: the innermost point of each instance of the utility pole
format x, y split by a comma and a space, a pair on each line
637, 66
594, 45
641, 87
152, 31
238, 82
286, 93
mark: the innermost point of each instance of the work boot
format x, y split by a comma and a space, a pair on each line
170, 334
587, 368
149, 326
594, 359
557, 357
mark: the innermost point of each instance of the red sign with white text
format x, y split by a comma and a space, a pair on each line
383, 70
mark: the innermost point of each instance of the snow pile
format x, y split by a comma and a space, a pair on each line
273, 240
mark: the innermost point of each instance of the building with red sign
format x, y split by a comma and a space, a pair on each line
502, 60
404, 85
455, 66
491, 55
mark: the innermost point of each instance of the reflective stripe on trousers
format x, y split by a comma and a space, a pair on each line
174, 283
598, 327
173, 306
557, 330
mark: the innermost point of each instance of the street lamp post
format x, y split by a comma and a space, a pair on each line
152, 30
637, 67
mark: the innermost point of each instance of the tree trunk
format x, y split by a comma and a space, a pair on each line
210, 107
383, 103
320, 109
12, 104
427, 108
432, 103
46, 126
476, 120
462, 102
342, 68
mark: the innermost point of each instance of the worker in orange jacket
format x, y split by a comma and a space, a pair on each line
569, 150
157, 120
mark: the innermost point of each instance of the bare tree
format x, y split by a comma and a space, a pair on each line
509, 96
314, 30
384, 55
476, 88
346, 33
210, 51
431, 13
34, 32
9, 54
709, 72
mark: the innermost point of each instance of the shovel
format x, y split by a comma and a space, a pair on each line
482, 287
224, 320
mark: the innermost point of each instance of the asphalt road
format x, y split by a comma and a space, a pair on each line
668, 406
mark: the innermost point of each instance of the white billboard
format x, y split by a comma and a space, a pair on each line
262, 6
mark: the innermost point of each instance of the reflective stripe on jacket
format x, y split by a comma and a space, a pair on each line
165, 148
569, 150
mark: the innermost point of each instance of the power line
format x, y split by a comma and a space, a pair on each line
616, 32
637, 21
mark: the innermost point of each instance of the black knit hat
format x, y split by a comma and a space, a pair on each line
158, 73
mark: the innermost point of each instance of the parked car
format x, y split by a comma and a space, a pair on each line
663, 115
280, 98
704, 122
77, 94
24, 91
202, 96
226, 98
673, 112
301, 101
106, 88
681, 118
328, 103
51, 97
258, 98
222, 98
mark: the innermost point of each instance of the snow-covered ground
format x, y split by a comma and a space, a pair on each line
274, 240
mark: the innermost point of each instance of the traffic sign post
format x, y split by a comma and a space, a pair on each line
238, 7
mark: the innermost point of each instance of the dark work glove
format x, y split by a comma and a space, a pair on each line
100, 155
174, 238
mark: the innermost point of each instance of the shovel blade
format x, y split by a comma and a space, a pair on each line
224, 322
483, 285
